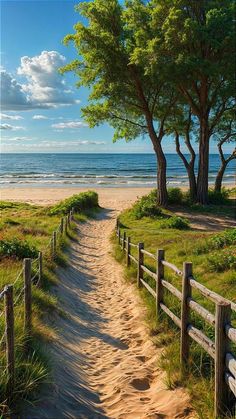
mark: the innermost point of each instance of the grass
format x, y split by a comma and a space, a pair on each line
205, 250
23, 229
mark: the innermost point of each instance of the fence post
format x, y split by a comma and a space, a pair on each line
66, 224
124, 239
10, 350
62, 225
54, 244
28, 297
140, 262
119, 235
160, 276
222, 346
40, 268
128, 252
185, 314
68, 220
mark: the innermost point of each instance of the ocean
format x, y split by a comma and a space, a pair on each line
100, 170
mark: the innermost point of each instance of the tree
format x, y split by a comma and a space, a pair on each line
225, 133
122, 93
195, 41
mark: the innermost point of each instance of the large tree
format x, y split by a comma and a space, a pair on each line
194, 40
133, 102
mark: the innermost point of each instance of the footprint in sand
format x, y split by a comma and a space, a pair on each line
140, 384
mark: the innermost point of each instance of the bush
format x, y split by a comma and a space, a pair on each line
175, 196
220, 262
176, 222
17, 249
147, 207
80, 202
221, 197
226, 238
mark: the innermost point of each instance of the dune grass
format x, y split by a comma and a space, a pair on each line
206, 251
28, 228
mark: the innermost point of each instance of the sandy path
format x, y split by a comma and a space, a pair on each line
105, 365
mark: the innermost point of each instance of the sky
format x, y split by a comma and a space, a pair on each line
41, 110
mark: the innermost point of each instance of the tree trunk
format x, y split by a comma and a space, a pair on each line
219, 177
162, 195
203, 165
192, 183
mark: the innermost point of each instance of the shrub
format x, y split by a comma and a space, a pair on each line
80, 202
220, 262
17, 249
221, 197
147, 207
176, 222
226, 238
175, 196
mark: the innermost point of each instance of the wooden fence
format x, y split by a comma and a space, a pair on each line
225, 334
32, 271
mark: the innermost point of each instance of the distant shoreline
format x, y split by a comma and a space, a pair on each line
47, 196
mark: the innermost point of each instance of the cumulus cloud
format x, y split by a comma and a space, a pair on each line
72, 125
44, 87
10, 127
39, 117
10, 117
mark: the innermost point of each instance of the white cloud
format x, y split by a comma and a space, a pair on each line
72, 124
44, 87
10, 117
10, 127
39, 117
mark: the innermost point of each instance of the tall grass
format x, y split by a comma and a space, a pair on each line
24, 230
185, 245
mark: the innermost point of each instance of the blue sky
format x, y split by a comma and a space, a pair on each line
42, 111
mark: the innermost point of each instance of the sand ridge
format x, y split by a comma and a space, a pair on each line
105, 365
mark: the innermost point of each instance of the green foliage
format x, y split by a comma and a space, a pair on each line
217, 198
17, 249
179, 223
147, 207
218, 241
83, 201
175, 196
222, 261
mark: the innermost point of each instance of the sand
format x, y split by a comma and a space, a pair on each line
104, 362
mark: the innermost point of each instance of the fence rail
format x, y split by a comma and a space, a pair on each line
221, 349
29, 274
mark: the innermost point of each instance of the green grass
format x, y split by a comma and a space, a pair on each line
180, 246
23, 229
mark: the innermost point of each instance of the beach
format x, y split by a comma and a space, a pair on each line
48, 196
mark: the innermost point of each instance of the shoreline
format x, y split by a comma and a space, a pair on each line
50, 195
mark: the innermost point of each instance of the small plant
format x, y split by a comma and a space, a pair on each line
175, 196
175, 222
147, 207
221, 197
220, 262
17, 249
81, 202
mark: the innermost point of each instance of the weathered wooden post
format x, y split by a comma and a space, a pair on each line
222, 347
68, 220
119, 235
66, 225
62, 226
128, 252
10, 345
54, 244
124, 241
185, 315
160, 276
27, 295
140, 263
40, 269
